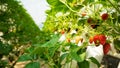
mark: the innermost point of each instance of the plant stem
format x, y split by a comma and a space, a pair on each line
114, 6
68, 7
71, 64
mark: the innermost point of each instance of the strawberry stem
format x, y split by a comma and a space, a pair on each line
114, 6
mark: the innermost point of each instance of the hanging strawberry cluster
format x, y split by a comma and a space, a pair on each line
100, 39
91, 18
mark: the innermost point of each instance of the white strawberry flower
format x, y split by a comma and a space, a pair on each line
72, 41
1, 34
79, 43
55, 32
73, 32
59, 14
62, 38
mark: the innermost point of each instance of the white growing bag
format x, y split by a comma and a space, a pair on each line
96, 52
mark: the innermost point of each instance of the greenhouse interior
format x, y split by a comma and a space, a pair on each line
59, 33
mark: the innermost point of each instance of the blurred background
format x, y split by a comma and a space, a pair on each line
36, 8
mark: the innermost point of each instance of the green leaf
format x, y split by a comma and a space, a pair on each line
52, 42
119, 19
94, 61
78, 58
52, 51
84, 64
53, 2
29, 49
86, 2
59, 4
33, 65
62, 57
117, 43
24, 57
5, 48
38, 50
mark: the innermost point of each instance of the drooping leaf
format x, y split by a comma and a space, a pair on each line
78, 58
39, 49
53, 2
84, 64
29, 49
24, 57
33, 65
95, 61
117, 43
52, 50
62, 57
52, 42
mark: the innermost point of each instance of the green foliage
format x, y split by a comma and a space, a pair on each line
52, 42
19, 32
19, 29
33, 65
63, 56
94, 61
53, 2
40, 48
3, 63
24, 57
59, 5
5, 49
84, 64
75, 14
18, 25
78, 58
117, 43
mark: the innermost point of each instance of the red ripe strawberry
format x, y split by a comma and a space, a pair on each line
99, 39
96, 39
106, 48
81, 39
91, 40
68, 40
62, 32
102, 39
89, 20
104, 16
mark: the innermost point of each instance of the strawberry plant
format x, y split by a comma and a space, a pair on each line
82, 32
17, 32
